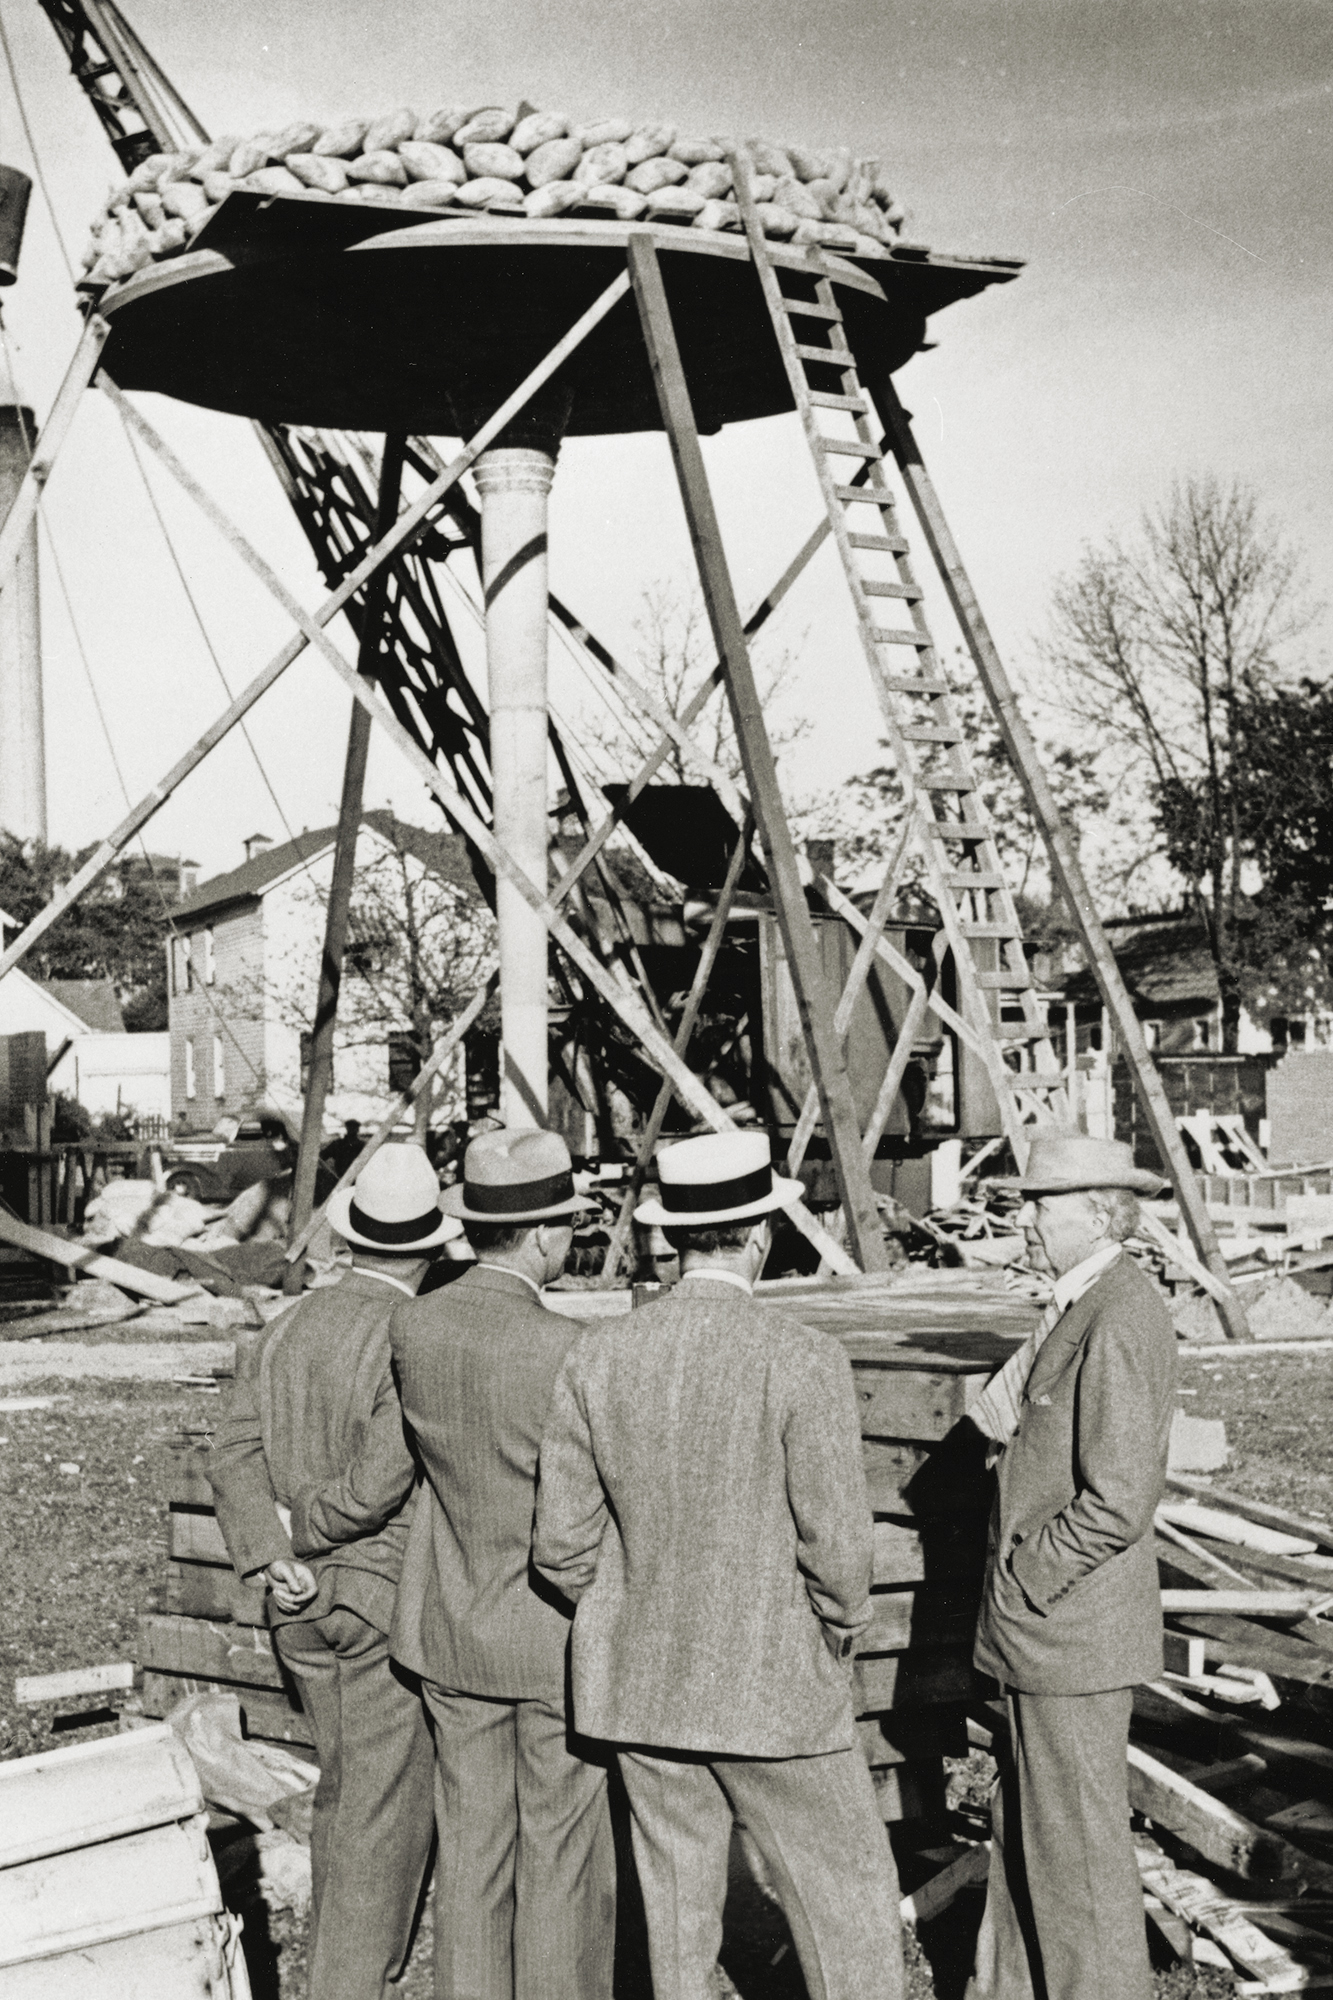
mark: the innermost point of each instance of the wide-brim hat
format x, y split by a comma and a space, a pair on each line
393, 1208
515, 1177
1074, 1162
722, 1177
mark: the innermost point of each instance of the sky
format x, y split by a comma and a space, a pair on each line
1162, 165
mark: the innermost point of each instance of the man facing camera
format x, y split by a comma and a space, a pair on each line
525, 1882
313, 1482
1071, 1617
702, 1500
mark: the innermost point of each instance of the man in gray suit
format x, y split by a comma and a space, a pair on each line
1071, 1617
525, 1883
702, 1500
313, 1480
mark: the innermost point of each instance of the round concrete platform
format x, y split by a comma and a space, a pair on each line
349, 316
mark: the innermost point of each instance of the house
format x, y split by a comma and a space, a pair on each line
110, 1073
243, 965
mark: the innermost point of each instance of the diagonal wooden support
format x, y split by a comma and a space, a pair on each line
685, 1030
1065, 864
49, 440
424, 1077
338, 910
621, 998
409, 524
826, 1057
851, 992
913, 1021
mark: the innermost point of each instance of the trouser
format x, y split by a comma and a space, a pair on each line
1064, 1903
371, 1838
525, 1886
815, 1823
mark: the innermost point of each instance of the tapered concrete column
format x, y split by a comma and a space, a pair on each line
514, 483
22, 722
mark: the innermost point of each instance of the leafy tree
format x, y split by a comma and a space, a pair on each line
114, 931
1165, 649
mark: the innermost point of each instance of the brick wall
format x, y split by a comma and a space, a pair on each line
229, 1007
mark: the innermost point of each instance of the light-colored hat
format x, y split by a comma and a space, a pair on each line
394, 1207
723, 1177
1067, 1162
515, 1177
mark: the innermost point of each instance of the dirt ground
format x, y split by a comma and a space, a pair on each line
83, 1493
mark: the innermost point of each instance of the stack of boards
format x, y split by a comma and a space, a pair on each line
107, 1884
921, 1350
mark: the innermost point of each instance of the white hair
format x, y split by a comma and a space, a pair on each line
1118, 1207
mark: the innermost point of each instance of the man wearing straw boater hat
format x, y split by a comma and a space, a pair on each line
313, 1482
525, 1881
1071, 1618
702, 1500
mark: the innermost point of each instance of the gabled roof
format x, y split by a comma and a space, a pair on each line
94, 1001
444, 854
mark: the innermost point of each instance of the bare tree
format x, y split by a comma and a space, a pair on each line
673, 655
1157, 646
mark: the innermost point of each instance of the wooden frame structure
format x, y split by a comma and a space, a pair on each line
973, 896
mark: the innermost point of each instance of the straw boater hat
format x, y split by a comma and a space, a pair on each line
724, 1177
393, 1208
1069, 1162
515, 1177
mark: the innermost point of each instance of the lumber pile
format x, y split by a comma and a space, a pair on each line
107, 1882
517, 161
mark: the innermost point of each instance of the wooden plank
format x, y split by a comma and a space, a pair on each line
78, 1256
1253, 1510
1213, 1829
896, 1739
145, 1881
1250, 1603
921, 1480
30, 1688
209, 1651
898, 1402
1184, 1655
931, 1615
935, 1551
203, 1590
78, 375
1235, 1641
910, 1791
90, 1792
827, 1058
1204, 1907
934, 1897
269, 1714
196, 1538
912, 1680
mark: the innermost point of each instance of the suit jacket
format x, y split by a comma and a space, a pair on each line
1071, 1602
313, 1421
476, 1364
702, 1498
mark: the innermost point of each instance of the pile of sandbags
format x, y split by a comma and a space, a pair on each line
520, 162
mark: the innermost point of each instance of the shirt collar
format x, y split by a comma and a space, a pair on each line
506, 1272
1084, 1276
720, 1277
398, 1283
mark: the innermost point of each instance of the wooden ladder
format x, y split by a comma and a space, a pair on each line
952, 828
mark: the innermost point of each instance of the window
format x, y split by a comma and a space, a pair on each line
209, 967
180, 964
404, 1059
307, 1043
219, 1068
191, 1087
187, 964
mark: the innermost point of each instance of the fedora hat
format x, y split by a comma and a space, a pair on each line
723, 1177
393, 1208
1068, 1162
515, 1177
